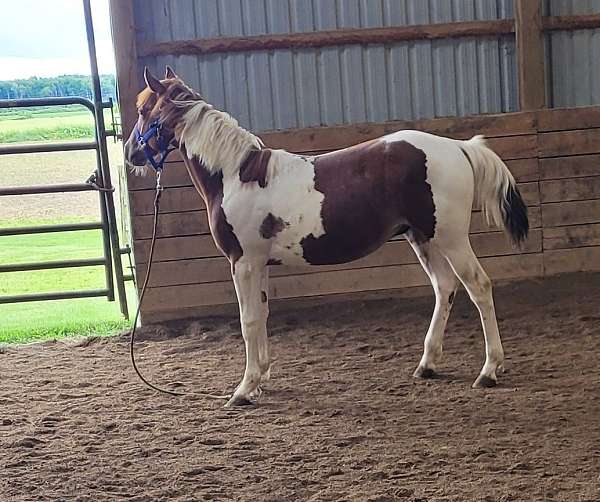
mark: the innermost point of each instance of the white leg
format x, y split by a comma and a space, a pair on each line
478, 285
249, 279
444, 284
264, 353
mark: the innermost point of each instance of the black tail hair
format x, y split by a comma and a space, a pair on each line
514, 213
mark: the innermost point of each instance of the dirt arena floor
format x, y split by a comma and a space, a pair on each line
342, 418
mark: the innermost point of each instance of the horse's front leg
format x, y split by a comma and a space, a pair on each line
250, 281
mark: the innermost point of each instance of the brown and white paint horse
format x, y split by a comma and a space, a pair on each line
270, 207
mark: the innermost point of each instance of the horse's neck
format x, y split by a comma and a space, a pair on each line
209, 185
216, 139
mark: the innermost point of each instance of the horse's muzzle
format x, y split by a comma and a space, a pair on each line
134, 155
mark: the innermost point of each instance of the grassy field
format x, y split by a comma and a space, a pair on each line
40, 320
46, 124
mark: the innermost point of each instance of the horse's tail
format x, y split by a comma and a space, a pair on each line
496, 190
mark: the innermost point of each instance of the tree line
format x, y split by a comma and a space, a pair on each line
65, 85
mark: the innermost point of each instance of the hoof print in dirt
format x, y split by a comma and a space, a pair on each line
425, 373
484, 382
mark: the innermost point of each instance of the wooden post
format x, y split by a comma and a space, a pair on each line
530, 54
128, 74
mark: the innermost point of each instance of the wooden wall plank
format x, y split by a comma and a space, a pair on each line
173, 200
572, 236
172, 224
335, 137
324, 283
283, 305
515, 147
200, 270
570, 189
174, 175
524, 170
177, 248
196, 223
562, 119
560, 261
202, 246
574, 142
570, 167
182, 199
557, 214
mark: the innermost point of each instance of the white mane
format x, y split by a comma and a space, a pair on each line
216, 138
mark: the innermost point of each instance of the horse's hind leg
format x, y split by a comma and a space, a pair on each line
478, 285
444, 284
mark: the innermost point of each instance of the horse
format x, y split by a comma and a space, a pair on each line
270, 207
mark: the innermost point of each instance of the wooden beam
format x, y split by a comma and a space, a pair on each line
126, 59
530, 54
311, 139
580, 22
327, 38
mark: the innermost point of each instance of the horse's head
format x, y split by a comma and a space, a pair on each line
160, 106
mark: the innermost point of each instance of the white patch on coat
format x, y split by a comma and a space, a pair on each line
450, 177
289, 194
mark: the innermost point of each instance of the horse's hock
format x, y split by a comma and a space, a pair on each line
316, 91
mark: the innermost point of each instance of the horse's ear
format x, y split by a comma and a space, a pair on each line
169, 73
152, 82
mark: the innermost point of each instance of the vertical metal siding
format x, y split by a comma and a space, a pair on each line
572, 57
283, 89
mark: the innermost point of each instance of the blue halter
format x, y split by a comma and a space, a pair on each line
163, 146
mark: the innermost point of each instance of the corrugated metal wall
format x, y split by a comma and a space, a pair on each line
337, 85
573, 69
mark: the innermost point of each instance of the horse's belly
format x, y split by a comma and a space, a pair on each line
343, 244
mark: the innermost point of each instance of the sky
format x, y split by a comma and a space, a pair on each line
46, 38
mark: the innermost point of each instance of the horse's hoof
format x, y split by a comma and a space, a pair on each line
238, 401
484, 382
426, 373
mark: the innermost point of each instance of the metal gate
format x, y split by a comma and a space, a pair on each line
100, 180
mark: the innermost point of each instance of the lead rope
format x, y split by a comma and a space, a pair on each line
159, 190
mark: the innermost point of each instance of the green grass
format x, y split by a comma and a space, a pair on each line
64, 123
26, 322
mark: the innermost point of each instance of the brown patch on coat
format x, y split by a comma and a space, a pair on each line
271, 226
254, 168
210, 187
373, 191
263, 297
274, 261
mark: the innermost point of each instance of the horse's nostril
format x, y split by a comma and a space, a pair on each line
138, 158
